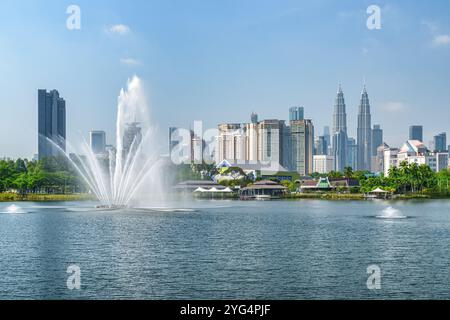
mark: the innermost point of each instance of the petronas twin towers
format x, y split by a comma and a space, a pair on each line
341, 151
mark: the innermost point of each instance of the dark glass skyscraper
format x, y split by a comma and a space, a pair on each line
377, 138
51, 123
364, 137
440, 142
339, 132
416, 133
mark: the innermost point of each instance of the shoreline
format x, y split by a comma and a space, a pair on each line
11, 197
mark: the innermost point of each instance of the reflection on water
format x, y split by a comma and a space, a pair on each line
227, 250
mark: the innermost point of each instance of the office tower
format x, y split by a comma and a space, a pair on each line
296, 113
321, 147
51, 123
339, 151
286, 149
440, 142
416, 133
97, 141
364, 134
131, 139
352, 153
302, 140
377, 139
254, 118
270, 141
326, 135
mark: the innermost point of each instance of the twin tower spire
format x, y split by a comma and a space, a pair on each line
342, 154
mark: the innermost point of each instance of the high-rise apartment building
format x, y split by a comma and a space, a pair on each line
302, 135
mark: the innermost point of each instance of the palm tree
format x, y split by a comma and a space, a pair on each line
348, 172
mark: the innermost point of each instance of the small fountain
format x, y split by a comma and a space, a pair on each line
133, 167
391, 213
14, 209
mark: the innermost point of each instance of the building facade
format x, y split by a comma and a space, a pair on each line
323, 164
364, 133
97, 141
416, 132
440, 142
51, 123
302, 135
339, 149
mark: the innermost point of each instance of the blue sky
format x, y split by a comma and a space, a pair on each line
218, 61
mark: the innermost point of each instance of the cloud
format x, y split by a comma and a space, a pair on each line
120, 29
393, 106
438, 39
130, 62
441, 40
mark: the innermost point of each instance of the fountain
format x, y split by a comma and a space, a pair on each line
118, 178
391, 213
14, 209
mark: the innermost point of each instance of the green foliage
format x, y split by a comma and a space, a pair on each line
50, 175
408, 178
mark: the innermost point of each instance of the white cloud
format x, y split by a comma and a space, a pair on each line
441, 40
130, 62
438, 39
120, 29
393, 106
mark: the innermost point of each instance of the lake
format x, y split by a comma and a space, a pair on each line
307, 249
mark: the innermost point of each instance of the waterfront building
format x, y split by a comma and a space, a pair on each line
97, 142
302, 135
364, 133
339, 151
440, 142
51, 123
416, 133
323, 164
390, 159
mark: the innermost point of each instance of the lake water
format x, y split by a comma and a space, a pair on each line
308, 249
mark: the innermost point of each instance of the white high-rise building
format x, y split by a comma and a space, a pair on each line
323, 164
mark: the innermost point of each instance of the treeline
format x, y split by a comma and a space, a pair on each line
53, 175
410, 178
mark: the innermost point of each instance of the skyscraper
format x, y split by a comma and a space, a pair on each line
352, 153
339, 151
302, 140
296, 113
364, 133
320, 146
254, 117
440, 142
326, 136
377, 139
51, 123
132, 138
416, 133
97, 141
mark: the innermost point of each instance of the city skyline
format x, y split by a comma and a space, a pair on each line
290, 54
